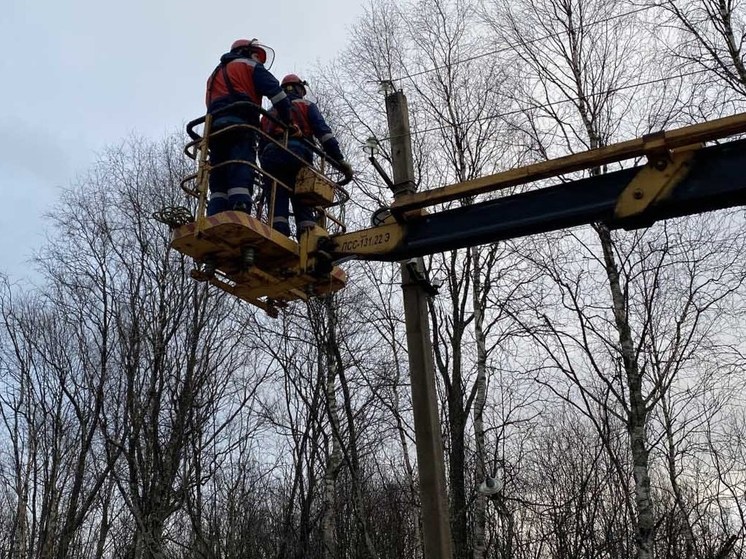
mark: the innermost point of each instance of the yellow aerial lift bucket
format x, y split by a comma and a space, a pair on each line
240, 253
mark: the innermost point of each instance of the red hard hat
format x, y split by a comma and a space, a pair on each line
253, 44
292, 79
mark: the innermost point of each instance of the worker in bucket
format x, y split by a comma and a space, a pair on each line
307, 123
240, 76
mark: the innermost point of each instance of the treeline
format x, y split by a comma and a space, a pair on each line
597, 374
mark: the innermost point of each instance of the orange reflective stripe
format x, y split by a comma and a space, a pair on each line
299, 112
298, 115
237, 75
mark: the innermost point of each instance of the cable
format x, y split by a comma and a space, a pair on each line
560, 102
512, 47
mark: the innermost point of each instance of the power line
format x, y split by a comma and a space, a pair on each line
561, 101
513, 46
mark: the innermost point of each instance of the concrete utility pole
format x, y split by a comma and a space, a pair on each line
435, 518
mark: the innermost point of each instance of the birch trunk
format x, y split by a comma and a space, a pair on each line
328, 523
638, 412
480, 504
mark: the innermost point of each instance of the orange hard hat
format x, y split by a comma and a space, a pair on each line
292, 79
252, 45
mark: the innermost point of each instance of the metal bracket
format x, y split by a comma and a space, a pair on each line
655, 181
419, 276
381, 172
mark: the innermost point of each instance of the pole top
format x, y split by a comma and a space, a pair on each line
386, 87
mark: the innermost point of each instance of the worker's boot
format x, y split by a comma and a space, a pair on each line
281, 225
239, 199
242, 207
216, 205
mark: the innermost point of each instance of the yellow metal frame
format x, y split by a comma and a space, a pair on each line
657, 142
283, 270
280, 270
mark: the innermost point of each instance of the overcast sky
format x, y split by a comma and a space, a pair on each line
81, 75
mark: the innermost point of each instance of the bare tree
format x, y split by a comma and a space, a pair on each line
581, 56
50, 409
125, 371
708, 37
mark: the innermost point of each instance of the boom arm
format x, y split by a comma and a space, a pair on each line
672, 184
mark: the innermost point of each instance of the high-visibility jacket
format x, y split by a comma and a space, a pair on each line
306, 116
238, 78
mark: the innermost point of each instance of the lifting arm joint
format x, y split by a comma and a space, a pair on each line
655, 180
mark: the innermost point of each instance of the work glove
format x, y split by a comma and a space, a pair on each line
346, 169
294, 131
